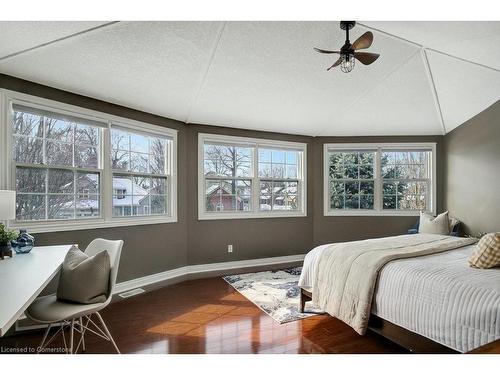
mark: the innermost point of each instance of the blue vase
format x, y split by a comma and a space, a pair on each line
24, 242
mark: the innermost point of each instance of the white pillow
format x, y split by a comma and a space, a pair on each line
84, 279
434, 225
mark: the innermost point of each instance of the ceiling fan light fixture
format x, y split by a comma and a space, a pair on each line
349, 52
347, 63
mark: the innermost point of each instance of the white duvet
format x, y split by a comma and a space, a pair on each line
437, 296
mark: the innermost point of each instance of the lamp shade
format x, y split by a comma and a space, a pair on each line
7, 205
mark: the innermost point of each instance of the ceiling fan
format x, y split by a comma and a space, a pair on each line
348, 53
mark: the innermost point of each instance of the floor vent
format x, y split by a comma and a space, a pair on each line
130, 293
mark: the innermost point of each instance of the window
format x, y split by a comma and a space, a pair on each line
57, 165
387, 179
243, 177
228, 183
140, 179
279, 179
406, 179
352, 182
74, 168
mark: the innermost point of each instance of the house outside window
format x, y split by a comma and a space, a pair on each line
120, 193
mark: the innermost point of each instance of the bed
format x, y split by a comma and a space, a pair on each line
429, 301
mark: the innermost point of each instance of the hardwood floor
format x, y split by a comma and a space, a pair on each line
209, 316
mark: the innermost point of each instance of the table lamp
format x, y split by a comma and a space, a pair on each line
7, 212
7, 205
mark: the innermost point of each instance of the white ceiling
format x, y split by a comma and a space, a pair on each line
430, 78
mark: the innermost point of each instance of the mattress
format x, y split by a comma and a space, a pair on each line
437, 296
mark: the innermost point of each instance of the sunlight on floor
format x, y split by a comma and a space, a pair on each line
185, 323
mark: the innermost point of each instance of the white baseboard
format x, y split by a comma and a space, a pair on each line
203, 268
150, 279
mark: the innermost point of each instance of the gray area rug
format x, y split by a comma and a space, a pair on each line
274, 292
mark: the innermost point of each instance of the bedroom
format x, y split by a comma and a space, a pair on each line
240, 171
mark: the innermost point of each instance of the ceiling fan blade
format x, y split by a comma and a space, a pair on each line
364, 41
324, 50
366, 58
336, 63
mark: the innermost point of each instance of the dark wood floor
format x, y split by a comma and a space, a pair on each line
209, 316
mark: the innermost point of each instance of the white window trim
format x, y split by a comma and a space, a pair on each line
431, 146
253, 142
7, 98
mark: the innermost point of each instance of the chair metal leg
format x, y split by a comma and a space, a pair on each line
64, 336
40, 347
81, 330
61, 329
83, 334
71, 336
76, 324
107, 332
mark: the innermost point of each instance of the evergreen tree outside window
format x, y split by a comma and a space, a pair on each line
367, 179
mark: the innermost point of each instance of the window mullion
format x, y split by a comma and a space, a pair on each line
378, 180
106, 188
255, 181
74, 195
46, 198
44, 160
44, 141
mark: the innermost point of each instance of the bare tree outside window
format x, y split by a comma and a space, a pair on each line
279, 183
59, 175
47, 149
230, 177
227, 169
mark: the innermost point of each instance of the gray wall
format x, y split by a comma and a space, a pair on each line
472, 172
327, 229
252, 238
155, 248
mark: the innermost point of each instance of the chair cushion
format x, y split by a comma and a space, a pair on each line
487, 252
48, 309
434, 225
84, 279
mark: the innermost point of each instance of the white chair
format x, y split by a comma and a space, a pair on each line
49, 310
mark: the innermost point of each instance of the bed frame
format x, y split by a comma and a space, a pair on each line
399, 335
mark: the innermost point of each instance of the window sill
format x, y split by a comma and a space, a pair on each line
373, 213
63, 226
250, 215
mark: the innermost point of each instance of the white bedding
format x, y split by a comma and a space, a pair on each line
437, 296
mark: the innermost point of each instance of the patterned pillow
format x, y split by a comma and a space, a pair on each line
487, 252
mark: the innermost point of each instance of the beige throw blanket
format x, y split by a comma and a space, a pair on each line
347, 272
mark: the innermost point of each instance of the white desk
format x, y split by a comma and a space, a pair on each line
23, 277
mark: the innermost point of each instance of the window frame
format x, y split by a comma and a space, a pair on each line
255, 143
8, 167
378, 181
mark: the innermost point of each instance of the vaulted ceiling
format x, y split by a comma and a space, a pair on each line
431, 76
